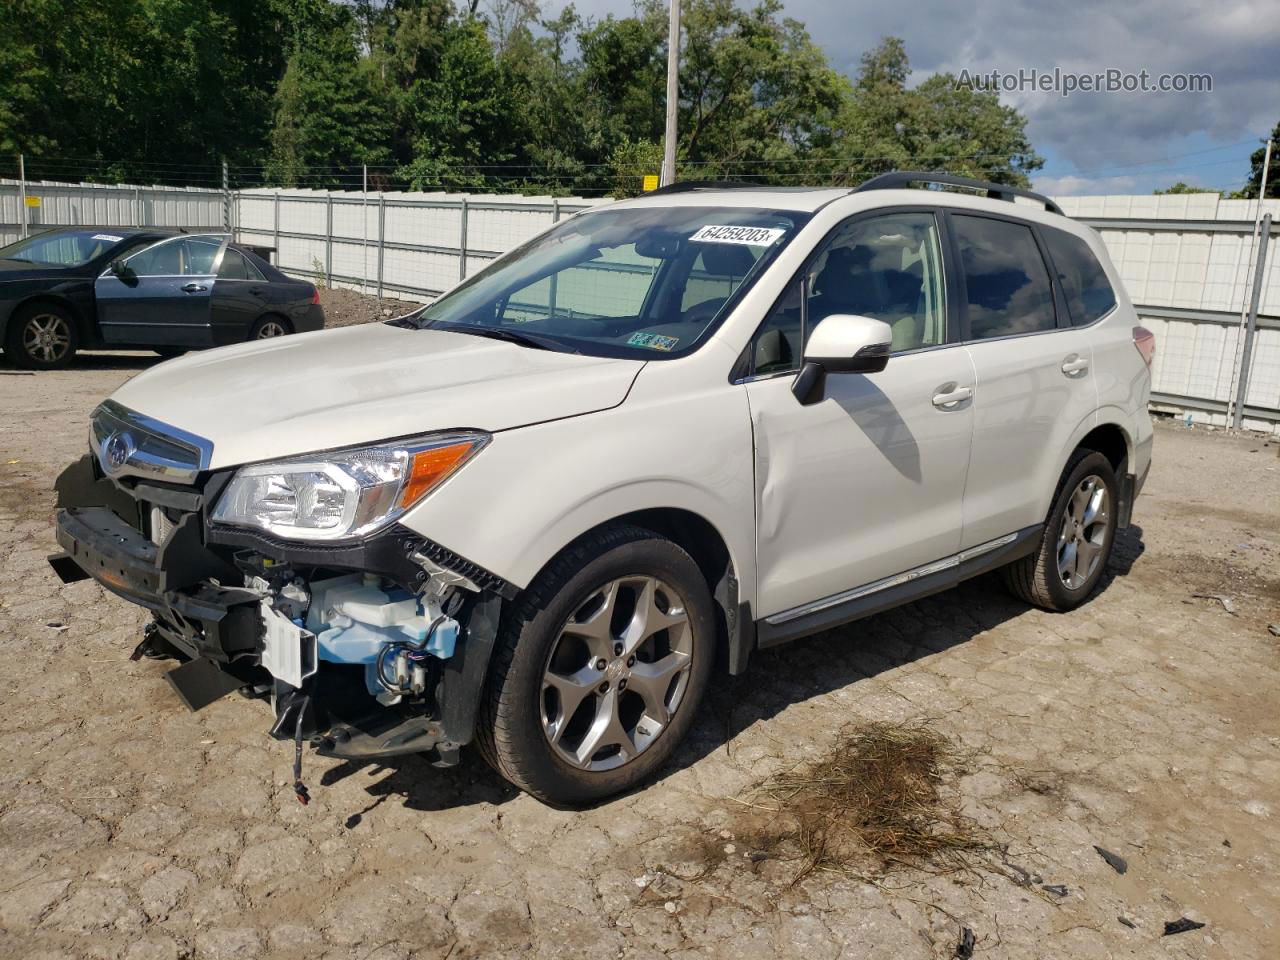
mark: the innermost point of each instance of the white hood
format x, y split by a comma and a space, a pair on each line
336, 388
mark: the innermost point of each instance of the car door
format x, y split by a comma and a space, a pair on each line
162, 296
1035, 384
868, 482
240, 295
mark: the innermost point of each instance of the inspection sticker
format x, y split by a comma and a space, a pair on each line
107, 236
724, 233
654, 341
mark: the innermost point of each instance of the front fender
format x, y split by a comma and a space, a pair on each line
535, 489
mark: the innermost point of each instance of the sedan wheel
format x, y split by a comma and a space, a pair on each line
46, 338
41, 336
617, 673
269, 328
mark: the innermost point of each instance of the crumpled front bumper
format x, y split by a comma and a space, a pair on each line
217, 628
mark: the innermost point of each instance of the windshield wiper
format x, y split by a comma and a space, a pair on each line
531, 340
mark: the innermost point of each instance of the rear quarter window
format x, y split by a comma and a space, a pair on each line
1084, 282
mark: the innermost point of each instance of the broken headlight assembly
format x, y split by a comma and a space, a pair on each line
343, 494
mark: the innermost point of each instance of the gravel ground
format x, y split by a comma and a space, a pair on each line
1144, 723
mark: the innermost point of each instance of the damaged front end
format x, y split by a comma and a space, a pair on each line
365, 647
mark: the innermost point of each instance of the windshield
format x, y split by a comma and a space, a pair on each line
72, 248
645, 282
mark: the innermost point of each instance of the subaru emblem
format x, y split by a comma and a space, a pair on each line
117, 451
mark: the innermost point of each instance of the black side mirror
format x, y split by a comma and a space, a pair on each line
122, 271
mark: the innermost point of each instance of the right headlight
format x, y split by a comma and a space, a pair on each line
343, 494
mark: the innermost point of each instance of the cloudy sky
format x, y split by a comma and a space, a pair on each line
1092, 142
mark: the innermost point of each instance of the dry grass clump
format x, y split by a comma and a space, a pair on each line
878, 793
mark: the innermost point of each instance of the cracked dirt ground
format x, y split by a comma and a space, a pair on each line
1146, 723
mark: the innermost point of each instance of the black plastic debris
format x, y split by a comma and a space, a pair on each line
1181, 925
964, 949
1057, 889
1128, 923
1116, 862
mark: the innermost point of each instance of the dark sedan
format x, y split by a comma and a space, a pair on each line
108, 288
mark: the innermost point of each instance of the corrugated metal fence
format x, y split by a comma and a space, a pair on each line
412, 245
50, 204
1188, 261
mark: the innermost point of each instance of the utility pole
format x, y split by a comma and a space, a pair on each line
226, 198
1238, 372
673, 96
22, 190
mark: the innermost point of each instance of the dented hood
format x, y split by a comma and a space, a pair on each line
336, 388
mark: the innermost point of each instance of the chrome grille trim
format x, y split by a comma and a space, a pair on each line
129, 444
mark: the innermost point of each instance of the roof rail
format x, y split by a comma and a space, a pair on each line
684, 186
996, 191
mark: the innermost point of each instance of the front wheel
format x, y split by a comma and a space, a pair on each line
42, 337
1078, 535
599, 668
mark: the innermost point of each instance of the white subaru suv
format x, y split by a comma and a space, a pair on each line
545, 511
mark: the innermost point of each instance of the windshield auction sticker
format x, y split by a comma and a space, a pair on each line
107, 236
654, 341
724, 233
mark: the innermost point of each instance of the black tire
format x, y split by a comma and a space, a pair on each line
1036, 578
269, 326
170, 352
510, 732
42, 336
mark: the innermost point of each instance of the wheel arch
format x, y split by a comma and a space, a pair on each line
1112, 441
83, 323
701, 539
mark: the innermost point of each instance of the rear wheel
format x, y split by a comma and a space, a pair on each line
264, 328
599, 668
42, 337
1078, 535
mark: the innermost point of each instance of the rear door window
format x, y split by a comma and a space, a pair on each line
1084, 283
233, 267
1006, 278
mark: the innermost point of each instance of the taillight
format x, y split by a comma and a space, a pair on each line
315, 299
1145, 341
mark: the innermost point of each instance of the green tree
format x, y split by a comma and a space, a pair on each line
1181, 187
937, 126
326, 121
1256, 159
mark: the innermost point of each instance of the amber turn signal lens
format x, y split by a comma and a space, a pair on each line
430, 467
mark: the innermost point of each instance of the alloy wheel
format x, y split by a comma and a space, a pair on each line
46, 337
272, 328
1084, 532
617, 673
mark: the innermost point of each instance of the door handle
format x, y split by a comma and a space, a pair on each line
194, 288
1074, 364
949, 395
256, 291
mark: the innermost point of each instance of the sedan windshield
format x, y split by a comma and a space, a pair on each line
71, 248
644, 282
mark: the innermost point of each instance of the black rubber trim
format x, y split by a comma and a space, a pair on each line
769, 634
474, 572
